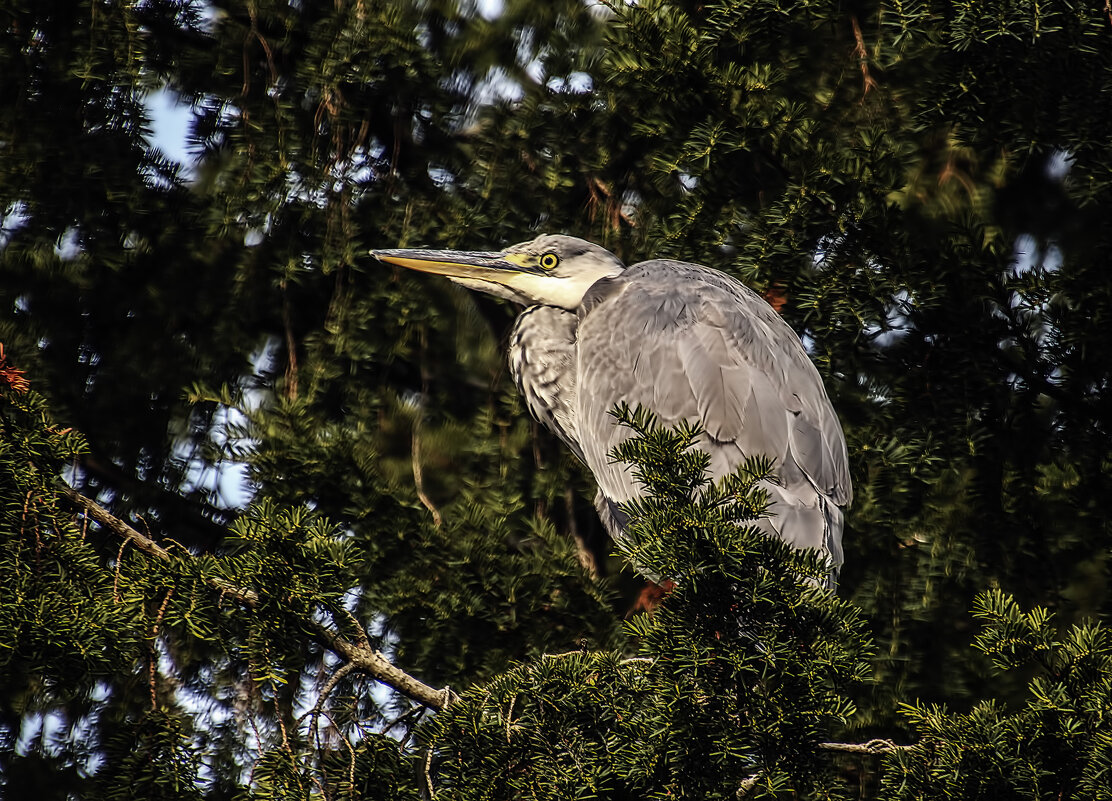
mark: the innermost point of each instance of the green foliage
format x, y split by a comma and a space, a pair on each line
738, 674
155, 761
57, 599
1057, 745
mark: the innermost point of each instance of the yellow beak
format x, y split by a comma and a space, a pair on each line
493, 267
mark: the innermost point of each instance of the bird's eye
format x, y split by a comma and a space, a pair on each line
549, 261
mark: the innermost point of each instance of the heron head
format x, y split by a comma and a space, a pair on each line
551, 270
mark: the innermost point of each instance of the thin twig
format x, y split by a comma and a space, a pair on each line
862, 54
119, 563
329, 686
291, 346
510, 716
428, 773
419, 413
418, 475
351, 751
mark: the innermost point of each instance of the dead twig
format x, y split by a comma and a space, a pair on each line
418, 415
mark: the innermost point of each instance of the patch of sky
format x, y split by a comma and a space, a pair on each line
534, 68
497, 87
897, 321
1059, 165
826, 245
490, 9
360, 168
576, 83
441, 176
68, 245
12, 219
1028, 256
227, 479
170, 122
50, 734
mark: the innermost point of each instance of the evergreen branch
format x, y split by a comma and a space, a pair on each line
119, 527
361, 655
146, 544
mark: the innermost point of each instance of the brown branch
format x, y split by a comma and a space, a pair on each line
361, 655
291, 345
330, 685
113, 523
375, 664
872, 747
862, 54
418, 415
418, 473
202, 523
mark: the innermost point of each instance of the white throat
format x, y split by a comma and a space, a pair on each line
565, 292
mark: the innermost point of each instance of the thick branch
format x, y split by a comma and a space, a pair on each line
202, 523
117, 526
362, 656
871, 747
374, 663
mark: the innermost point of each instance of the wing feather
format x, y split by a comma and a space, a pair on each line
693, 344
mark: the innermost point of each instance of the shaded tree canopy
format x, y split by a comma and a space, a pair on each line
314, 458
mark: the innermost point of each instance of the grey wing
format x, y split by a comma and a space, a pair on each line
693, 344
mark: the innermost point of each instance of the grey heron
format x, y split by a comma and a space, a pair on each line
683, 340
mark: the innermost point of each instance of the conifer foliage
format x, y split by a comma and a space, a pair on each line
273, 524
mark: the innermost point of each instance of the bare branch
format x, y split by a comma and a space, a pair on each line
375, 664
361, 655
871, 747
119, 527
